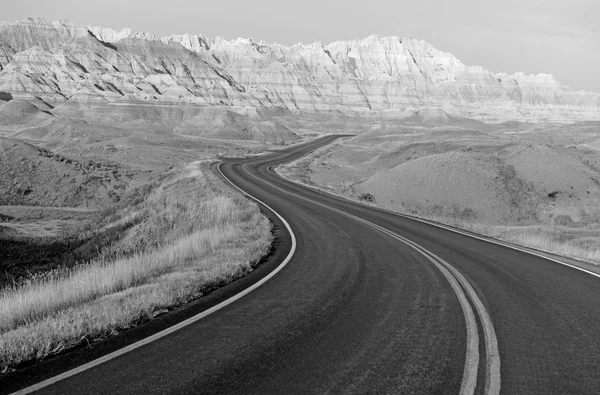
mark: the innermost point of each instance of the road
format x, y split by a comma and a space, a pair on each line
370, 302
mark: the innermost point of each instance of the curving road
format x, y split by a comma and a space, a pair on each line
370, 302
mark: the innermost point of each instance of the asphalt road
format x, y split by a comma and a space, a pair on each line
371, 302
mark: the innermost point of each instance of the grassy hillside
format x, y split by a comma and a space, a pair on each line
189, 235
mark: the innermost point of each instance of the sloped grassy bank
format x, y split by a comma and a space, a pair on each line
187, 236
581, 244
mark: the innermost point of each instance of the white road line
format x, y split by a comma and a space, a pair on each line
182, 324
498, 242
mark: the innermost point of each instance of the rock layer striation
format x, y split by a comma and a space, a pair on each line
60, 62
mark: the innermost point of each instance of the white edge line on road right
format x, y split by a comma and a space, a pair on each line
182, 324
438, 225
500, 243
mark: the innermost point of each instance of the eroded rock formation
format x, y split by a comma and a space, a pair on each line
61, 61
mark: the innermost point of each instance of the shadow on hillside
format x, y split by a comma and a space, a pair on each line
24, 258
21, 258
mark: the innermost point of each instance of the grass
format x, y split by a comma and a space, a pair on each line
578, 243
191, 234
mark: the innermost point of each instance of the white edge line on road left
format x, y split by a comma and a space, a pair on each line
182, 324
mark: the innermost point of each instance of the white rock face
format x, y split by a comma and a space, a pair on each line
58, 61
110, 36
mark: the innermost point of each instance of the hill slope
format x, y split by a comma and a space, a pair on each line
33, 176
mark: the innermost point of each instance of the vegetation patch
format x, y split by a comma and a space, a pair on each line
189, 235
366, 197
582, 244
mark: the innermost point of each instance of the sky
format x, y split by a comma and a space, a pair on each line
559, 37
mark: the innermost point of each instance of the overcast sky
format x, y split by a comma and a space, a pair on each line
560, 37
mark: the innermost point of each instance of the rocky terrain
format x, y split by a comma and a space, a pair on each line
130, 79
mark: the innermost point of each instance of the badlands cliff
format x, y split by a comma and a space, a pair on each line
73, 69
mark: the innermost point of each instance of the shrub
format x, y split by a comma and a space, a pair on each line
366, 197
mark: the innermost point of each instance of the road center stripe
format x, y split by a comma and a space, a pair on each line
492, 383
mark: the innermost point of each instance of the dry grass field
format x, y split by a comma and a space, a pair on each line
189, 235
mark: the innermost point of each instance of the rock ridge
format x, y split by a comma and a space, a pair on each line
60, 62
